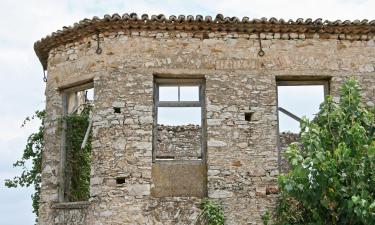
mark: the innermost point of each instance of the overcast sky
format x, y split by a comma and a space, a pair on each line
22, 89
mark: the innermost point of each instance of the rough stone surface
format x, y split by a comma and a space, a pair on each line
178, 142
242, 156
187, 179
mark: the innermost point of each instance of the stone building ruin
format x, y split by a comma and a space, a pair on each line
182, 108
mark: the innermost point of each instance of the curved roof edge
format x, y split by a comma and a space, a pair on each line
199, 23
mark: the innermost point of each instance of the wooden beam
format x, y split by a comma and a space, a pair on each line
286, 112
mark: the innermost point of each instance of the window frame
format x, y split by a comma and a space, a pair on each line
325, 84
65, 92
158, 82
299, 81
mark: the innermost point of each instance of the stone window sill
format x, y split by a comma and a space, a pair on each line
71, 205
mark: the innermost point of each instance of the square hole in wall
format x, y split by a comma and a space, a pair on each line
120, 180
116, 109
248, 116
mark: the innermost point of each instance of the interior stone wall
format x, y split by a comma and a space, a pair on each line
242, 159
178, 142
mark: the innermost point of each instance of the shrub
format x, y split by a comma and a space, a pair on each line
33, 152
212, 213
78, 165
332, 175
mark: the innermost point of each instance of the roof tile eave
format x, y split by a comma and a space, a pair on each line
86, 27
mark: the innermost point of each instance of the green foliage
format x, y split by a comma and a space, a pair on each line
332, 176
78, 161
266, 217
33, 152
289, 210
212, 212
77, 169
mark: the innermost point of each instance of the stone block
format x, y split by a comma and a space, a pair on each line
216, 143
261, 191
138, 189
219, 194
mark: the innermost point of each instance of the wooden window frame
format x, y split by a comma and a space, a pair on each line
325, 81
325, 84
200, 103
64, 94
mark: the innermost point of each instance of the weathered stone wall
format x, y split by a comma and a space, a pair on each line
286, 138
178, 142
242, 156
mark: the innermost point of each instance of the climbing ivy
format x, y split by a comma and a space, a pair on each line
33, 152
78, 161
332, 176
77, 170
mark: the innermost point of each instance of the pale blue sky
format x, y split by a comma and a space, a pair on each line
22, 89
301, 101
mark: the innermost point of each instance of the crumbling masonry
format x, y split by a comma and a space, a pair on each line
237, 64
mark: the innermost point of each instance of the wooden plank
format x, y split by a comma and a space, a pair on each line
80, 86
202, 91
155, 116
177, 81
179, 104
301, 82
61, 176
286, 112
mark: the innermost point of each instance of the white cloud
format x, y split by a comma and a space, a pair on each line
24, 22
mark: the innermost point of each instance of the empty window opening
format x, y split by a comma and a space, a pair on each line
178, 127
296, 100
77, 136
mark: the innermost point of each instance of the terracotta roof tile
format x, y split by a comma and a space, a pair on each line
116, 22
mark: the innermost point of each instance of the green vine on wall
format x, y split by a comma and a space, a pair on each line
212, 212
33, 152
78, 161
